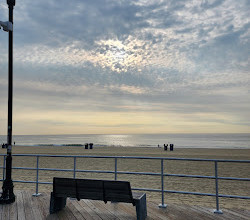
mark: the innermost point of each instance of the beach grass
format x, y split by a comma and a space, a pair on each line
141, 181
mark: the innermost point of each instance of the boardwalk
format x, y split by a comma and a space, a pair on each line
28, 207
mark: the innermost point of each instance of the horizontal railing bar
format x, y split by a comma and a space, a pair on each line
64, 170
26, 181
132, 173
47, 169
190, 176
234, 178
131, 157
234, 196
173, 191
208, 177
207, 194
182, 175
146, 189
139, 173
23, 181
191, 193
95, 171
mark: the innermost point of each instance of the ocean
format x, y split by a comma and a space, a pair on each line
137, 140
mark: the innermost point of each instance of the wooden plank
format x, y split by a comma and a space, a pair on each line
27, 206
13, 211
131, 212
116, 209
20, 206
41, 206
5, 211
229, 214
161, 213
91, 211
105, 209
82, 210
33, 205
74, 210
66, 213
245, 212
129, 209
100, 213
207, 213
198, 213
188, 213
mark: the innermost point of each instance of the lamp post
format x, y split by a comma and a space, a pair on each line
8, 194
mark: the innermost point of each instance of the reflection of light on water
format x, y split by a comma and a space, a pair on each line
118, 140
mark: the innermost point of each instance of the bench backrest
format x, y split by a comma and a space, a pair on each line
106, 190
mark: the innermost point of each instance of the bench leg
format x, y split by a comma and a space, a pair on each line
56, 203
141, 208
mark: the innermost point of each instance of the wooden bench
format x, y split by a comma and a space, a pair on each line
106, 190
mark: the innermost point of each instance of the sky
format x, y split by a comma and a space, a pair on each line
127, 67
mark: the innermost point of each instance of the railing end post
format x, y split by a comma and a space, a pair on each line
162, 206
36, 194
218, 211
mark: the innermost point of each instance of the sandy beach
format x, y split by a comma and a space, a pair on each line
171, 167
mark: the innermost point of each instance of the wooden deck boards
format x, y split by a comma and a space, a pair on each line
28, 207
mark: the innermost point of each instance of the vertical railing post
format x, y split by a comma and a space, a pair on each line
115, 168
74, 175
217, 211
37, 177
162, 205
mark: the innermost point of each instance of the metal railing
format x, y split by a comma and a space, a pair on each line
162, 190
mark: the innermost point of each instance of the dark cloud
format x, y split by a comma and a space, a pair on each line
225, 52
211, 4
51, 23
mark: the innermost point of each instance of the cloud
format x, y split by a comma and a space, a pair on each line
186, 59
77, 20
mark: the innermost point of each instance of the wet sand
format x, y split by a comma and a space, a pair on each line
171, 167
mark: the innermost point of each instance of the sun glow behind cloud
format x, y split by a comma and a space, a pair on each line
120, 56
